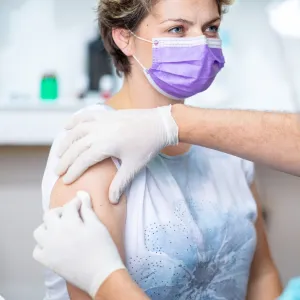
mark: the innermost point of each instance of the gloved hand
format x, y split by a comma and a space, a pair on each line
76, 245
292, 291
133, 136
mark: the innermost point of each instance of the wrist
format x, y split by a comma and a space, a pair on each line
178, 110
169, 125
119, 286
110, 287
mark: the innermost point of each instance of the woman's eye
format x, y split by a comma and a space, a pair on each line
212, 29
177, 30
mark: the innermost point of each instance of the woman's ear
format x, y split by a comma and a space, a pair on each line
123, 39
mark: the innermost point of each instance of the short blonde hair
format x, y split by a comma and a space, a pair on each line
127, 14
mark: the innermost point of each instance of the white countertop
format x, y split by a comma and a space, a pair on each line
33, 125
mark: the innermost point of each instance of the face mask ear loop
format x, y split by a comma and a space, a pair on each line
145, 69
140, 38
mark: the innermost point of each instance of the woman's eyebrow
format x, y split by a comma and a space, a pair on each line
212, 21
178, 20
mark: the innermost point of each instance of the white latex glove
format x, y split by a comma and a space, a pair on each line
133, 136
76, 245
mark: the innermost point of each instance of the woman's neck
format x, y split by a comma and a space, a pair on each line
137, 93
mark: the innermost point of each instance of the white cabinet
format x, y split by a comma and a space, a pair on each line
33, 125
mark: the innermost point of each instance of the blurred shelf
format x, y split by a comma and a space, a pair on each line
33, 125
41, 106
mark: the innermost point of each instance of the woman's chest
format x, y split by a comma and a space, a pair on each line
193, 233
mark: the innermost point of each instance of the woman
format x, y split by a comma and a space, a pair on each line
193, 229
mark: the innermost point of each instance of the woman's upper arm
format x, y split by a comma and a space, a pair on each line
264, 281
96, 182
262, 257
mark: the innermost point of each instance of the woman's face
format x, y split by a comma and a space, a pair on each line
176, 18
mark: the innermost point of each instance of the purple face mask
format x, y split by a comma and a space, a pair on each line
183, 67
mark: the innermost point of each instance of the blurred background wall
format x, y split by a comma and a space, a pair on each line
42, 39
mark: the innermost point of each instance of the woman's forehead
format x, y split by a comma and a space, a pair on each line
185, 9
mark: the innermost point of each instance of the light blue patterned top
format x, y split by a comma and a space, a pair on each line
190, 231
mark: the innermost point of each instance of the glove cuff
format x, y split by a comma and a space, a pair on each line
170, 125
100, 277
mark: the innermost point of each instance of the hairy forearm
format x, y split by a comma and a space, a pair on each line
263, 137
119, 286
266, 287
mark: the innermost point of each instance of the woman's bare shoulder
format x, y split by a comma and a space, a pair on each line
96, 181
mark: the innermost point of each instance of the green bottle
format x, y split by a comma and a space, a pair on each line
49, 88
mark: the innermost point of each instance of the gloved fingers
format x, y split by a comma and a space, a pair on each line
38, 254
122, 179
71, 210
87, 213
71, 154
84, 116
52, 217
40, 235
72, 136
85, 198
82, 163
